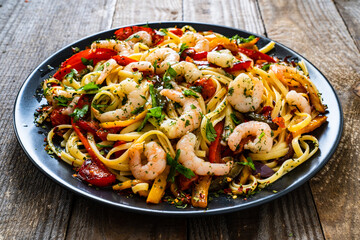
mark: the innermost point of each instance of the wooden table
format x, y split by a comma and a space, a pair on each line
326, 32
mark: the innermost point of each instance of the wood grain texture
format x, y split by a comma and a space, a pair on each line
32, 206
90, 220
140, 11
301, 221
239, 14
316, 29
350, 12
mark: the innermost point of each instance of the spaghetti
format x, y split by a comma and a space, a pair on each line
171, 114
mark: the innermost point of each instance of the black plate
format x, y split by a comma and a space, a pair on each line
33, 142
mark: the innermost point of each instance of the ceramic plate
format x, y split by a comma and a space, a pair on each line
31, 138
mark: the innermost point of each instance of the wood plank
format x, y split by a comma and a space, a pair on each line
350, 12
91, 220
32, 206
240, 14
146, 11
262, 222
305, 27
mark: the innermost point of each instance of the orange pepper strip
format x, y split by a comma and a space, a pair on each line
200, 192
158, 188
314, 124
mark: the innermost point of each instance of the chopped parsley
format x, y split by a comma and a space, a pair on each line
89, 87
239, 39
138, 110
266, 67
87, 62
188, 92
183, 47
210, 131
197, 88
231, 91
235, 118
62, 101
177, 167
79, 112
249, 163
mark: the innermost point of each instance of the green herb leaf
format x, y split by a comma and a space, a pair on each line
79, 112
87, 62
183, 47
155, 112
235, 118
62, 101
266, 67
152, 95
251, 163
138, 110
143, 123
71, 74
104, 146
169, 75
210, 131
196, 88
188, 92
163, 32
177, 167
262, 134
239, 39
89, 87
231, 91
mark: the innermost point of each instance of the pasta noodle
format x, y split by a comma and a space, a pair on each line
196, 111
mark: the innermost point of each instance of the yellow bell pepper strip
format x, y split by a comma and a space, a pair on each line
200, 192
314, 124
158, 188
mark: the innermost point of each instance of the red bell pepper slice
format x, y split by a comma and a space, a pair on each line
124, 33
57, 118
266, 111
94, 171
215, 146
123, 60
177, 32
93, 127
91, 173
256, 55
193, 54
242, 65
186, 183
279, 121
208, 87
75, 62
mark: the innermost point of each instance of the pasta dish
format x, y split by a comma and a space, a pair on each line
174, 114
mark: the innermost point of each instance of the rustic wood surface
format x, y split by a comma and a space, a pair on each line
325, 32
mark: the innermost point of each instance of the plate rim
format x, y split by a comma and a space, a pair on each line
195, 211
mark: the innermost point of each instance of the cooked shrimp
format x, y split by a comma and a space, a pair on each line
141, 36
188, 121
261, 131
163, 58
70, 108
202, 45
123, 48
108, 67
191, 38
188, 70
156, 160
222, 58
297, 99
142, 66
245, 93
56, 91
131, 91
291, 76
188, 158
